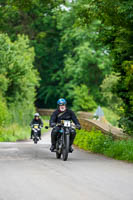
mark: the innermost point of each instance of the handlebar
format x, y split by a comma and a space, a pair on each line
39, 127
59, 124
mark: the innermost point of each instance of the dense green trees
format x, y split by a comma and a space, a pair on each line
80, 46
66, 55
18, 78
115, 32
36, 19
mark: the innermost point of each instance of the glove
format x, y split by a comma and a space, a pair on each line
53, 124
78, 126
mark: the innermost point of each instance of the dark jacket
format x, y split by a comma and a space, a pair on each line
57, 116
39, 121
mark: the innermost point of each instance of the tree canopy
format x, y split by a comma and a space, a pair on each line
79, 46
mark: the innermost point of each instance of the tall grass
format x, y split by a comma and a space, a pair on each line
14, 132
16, 123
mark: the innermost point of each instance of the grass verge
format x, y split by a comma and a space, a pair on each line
13, 133
96, 142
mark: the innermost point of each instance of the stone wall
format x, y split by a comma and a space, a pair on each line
45, 112
85, 115
88, 123
105, 128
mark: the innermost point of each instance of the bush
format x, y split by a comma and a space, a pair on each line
18, 78
126, 123
4, 114
13, 133
96, 142
82, 100
121, 150
111, 116
20, 114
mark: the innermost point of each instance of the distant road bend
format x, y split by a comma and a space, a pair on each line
29, 171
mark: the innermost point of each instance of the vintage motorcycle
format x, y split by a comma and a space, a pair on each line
63, 139
36, 128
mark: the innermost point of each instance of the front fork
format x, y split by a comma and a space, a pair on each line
65, 133
61, 141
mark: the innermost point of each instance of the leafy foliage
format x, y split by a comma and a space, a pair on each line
82, 99
96, 142
116, 33
76, 43
18, 79
4, 115
108, 87
66, 55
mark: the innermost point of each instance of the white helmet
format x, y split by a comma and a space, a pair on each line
36, 115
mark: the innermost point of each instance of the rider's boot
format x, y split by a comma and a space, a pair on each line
52, 148
70, 149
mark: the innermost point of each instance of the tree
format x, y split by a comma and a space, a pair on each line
86, 60
83, 100
116, 32
108, 87
18, 76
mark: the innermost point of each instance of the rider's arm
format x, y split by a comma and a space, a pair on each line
32, 122
74, 118
41, 122
53, 119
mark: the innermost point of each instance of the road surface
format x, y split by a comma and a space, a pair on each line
29, 171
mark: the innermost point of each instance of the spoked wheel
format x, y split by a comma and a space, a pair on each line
58, 154
65, 149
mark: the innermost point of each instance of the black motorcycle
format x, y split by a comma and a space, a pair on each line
35, 128
63, 139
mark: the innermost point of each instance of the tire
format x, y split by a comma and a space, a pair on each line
58, 155
65, 149
35, 140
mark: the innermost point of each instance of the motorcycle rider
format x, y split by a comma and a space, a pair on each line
36, 120
62, 113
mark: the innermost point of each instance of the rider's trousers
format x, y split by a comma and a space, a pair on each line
55, 133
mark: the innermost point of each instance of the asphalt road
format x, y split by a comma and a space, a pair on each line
29, 171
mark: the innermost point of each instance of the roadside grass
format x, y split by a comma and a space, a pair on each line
16, 132
96, 142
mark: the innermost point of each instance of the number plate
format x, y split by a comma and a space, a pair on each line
35, 126
67, 123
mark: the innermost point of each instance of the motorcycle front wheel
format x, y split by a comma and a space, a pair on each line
58, 154
65, 149
35, 140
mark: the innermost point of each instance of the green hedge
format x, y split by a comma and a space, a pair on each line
96, 142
